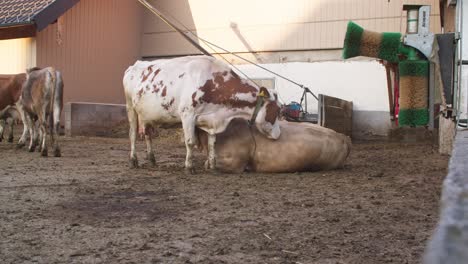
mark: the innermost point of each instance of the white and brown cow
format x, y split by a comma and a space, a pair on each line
301, 147
8, 117
42, 100
198, 91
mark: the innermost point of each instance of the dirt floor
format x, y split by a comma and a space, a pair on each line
89, 207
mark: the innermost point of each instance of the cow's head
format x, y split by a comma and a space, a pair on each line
266, 120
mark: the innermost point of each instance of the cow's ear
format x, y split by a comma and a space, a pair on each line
264, 92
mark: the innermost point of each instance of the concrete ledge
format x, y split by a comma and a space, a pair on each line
449, 243
367, 124
92, 119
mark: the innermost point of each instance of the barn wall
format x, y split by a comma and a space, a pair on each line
17, 55
92, 44
264, 25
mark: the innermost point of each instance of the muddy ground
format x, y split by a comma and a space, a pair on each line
89, 207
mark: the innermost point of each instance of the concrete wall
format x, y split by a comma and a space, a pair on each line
90, 119
362, 82
92, 44
450, 239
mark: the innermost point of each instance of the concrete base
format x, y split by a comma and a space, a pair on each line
370, 124
413, 134
92, 119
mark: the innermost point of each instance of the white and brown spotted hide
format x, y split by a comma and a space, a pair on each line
301, 147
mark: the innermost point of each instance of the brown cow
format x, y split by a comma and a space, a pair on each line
10, 89
301, 147
42, 99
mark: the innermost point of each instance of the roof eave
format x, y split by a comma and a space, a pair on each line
52, 12
19, 30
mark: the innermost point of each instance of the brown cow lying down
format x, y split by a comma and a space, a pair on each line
8, 116
301, 147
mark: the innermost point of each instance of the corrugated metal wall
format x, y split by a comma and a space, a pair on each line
92, 44
265, 25
17, 55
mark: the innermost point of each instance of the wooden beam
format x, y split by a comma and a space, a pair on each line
20, 31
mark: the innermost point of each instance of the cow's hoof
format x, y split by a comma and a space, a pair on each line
44, 152
209, 167
190, 171
214, 171
1, 139
133, 163
10, 139
57, 152
150, 157
32, 148
20, 145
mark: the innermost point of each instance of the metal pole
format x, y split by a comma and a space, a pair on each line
458, 63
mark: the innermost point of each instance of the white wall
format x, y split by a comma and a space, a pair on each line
362, 82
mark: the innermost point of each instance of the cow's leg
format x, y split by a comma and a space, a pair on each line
30, 126
133, 124
38, 137
22, 141
11, 123
188, 124
2, 128
43, 137
149, 145
42, 120
211, 152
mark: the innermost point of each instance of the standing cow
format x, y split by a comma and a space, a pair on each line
198, 91
42, 99
302, 147
8, 117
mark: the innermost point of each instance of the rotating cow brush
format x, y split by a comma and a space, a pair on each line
413, 71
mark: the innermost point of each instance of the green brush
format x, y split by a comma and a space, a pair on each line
413, 93
360, 42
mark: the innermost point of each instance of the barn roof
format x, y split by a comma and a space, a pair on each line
22, 18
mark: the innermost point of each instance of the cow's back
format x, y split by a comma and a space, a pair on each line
301, 147
38, 85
